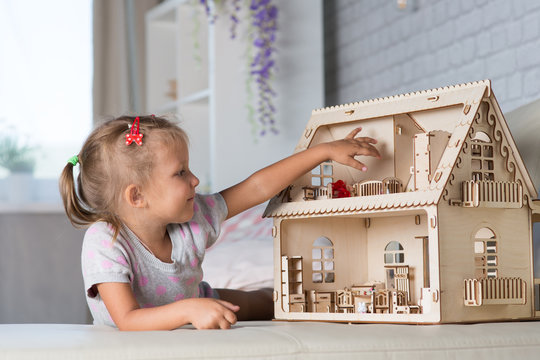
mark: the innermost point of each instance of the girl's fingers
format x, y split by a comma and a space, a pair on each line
224, 324
229, 305
353, 133
372, 150
366, 139
230, 317
357, 165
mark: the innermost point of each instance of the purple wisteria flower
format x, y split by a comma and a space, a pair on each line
263, 15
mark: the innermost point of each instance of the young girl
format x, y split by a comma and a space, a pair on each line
142, 253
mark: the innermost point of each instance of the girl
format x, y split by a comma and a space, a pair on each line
142, 253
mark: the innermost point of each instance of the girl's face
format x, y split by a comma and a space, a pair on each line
171, 190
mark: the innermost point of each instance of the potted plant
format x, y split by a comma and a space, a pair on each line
19, 160
15, 157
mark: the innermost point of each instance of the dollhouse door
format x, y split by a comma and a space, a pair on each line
397, 278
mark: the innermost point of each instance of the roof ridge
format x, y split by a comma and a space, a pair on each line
399, 96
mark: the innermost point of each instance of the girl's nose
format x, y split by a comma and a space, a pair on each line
194, 180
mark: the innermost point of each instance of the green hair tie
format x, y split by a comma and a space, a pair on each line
74, 160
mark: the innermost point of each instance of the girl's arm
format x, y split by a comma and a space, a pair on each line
269, 181
203, 313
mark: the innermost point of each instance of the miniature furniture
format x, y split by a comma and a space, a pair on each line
320, 301
369, 188
392, 185
380, 302
444, 220
400, 302
275, 340
291, 282
344, 301
317, 192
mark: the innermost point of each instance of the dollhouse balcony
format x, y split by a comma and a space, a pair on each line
389, 185
492, 194
494, 291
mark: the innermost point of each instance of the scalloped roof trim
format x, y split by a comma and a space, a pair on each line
354, 205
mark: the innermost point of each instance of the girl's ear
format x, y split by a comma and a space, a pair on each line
134, 196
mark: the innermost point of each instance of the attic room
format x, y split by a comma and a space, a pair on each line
392, 132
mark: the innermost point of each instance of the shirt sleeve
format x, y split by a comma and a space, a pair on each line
211, 211
102, 259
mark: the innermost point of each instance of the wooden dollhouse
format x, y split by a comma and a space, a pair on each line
437, 231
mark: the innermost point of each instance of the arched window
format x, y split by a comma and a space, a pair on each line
394, 253
322, 264
482, 157
485, 253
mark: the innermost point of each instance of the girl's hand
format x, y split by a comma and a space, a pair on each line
207, 313
345, 150
269, 181
203, 313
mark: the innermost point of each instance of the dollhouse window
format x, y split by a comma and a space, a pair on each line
394, 253
482, 164
322, 264
485, 253
323, 174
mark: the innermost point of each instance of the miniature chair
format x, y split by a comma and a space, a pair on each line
380, 302
369, 187
392, 185
400, 303
344, 301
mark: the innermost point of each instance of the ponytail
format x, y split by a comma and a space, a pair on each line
76, 209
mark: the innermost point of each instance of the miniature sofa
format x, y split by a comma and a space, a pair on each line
276, 340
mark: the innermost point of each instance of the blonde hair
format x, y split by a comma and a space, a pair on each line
108, 166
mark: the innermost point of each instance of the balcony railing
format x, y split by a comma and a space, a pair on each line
495, 291
495, 194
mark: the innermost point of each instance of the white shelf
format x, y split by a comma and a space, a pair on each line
164, 12
170, 107
196, 97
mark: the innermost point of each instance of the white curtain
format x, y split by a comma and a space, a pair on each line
119, 57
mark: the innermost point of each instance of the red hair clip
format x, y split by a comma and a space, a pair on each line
134, 134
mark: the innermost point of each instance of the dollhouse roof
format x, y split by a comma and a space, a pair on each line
450, 109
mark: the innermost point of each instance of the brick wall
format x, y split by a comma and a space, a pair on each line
375, 49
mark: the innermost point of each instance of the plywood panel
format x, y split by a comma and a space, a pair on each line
349, 238
438, 119
458, 227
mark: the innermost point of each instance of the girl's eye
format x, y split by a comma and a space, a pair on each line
182, 172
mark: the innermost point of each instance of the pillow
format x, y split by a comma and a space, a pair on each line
242, 257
